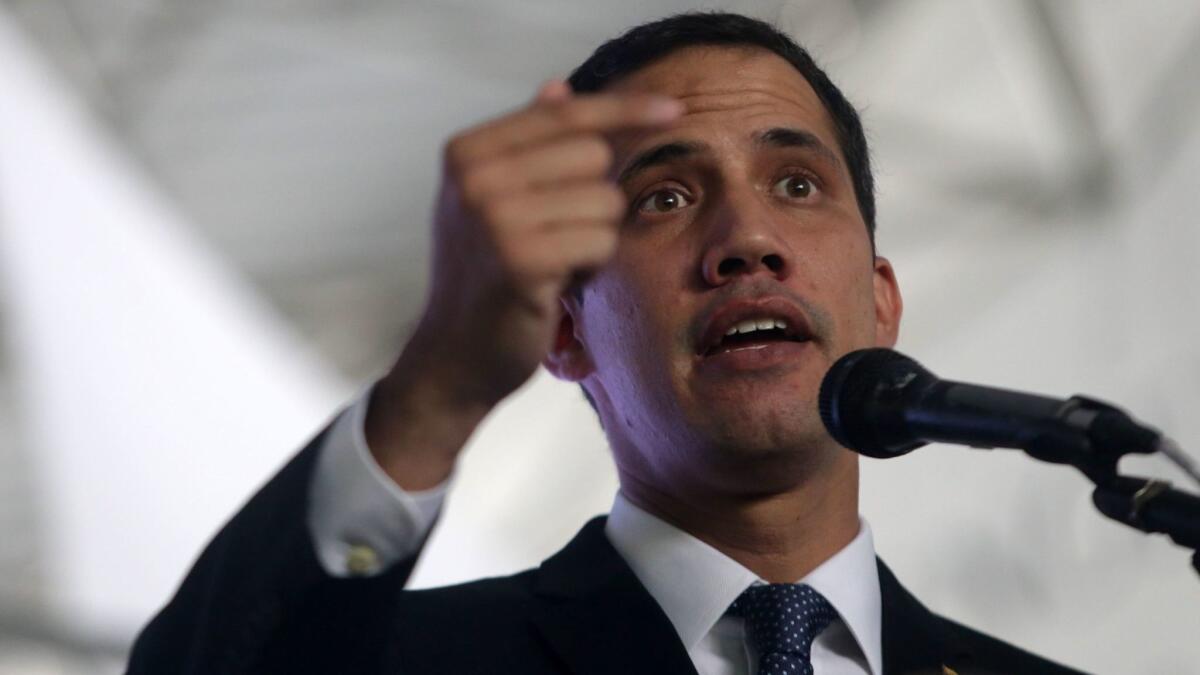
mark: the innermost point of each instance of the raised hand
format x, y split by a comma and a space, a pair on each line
526, 205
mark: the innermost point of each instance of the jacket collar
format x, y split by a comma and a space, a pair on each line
596, 615
915, 640
695, 583
599, 619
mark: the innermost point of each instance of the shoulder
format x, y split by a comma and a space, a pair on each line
480, 597
482, 626
916, 640
979, 652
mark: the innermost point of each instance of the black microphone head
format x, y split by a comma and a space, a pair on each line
859, 396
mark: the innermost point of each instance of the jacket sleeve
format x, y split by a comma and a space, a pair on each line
258, 592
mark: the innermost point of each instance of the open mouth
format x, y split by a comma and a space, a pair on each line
755, 333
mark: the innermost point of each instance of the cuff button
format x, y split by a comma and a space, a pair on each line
361, 560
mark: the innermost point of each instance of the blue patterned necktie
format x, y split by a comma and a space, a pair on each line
782, 620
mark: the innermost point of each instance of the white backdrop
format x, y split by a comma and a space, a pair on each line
157, 390
158, 387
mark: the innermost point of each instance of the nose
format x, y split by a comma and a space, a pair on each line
744, 241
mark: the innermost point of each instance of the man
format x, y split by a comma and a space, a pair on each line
687, 231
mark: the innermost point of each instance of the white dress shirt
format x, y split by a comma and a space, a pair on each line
353, 505
695, 584
356, 508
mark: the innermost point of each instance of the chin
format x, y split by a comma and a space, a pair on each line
771, 441
764, 420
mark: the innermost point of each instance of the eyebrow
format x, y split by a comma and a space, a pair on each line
777, 137
660, 154
783, 137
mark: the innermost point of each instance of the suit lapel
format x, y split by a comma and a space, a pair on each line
598, 618
915, 640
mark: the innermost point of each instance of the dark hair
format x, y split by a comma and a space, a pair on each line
641, 45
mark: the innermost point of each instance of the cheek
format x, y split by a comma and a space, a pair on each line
647, 329
637, 324
622, 318
861, 306
842, 282
631, 351
643, 286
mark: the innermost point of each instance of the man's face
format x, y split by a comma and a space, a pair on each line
741, 214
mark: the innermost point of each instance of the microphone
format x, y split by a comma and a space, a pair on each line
880, 403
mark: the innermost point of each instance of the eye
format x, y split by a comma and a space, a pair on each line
663, 201
795, 186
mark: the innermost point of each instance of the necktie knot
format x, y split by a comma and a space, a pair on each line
782, 620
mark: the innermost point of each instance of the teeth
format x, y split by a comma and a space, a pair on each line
751, 325
747, 326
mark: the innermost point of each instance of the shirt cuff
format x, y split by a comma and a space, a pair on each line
361, 521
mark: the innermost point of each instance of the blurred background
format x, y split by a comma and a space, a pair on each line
213, 234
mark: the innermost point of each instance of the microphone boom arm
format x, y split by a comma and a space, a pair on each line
1153, 506
1145, 504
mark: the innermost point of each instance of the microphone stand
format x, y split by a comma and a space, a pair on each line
1153, 506
1146, 504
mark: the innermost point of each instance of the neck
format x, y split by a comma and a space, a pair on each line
780, 536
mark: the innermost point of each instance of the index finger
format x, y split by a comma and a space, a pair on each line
587, 113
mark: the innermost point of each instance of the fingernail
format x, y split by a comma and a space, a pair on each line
665, 109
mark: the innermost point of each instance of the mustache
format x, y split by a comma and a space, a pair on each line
820, 321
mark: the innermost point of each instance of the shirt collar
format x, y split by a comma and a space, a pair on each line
695, 583
849, 580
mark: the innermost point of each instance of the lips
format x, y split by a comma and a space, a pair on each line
739, 324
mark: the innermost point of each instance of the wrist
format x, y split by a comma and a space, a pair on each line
417, 423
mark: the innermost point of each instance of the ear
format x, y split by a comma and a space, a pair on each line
567, 358
888, 304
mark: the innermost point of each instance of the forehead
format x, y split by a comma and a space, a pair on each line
727, 90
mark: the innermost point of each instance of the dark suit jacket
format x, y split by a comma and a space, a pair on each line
257, 601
